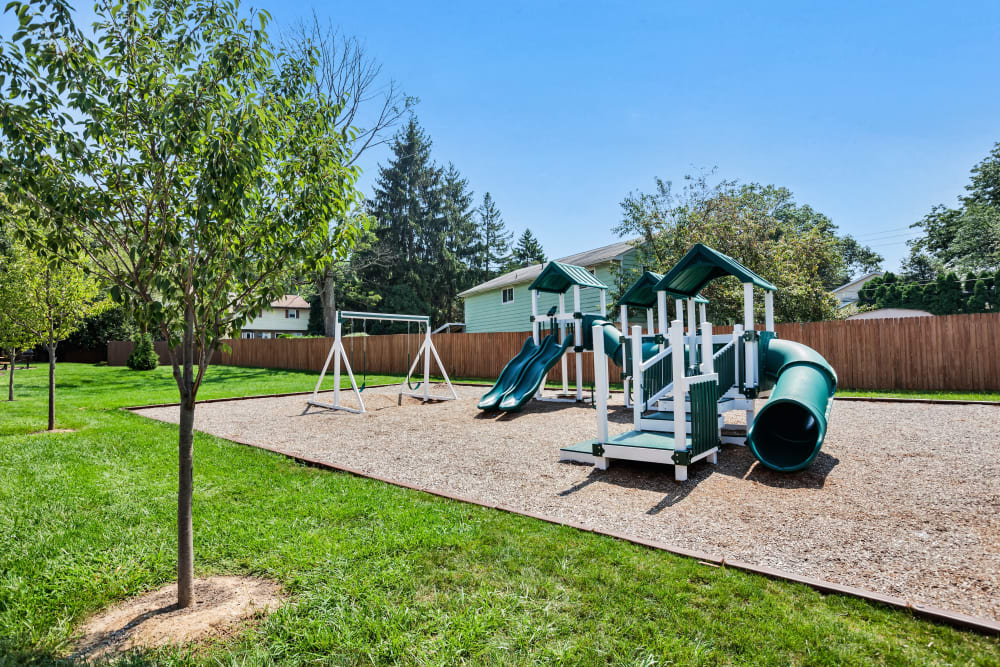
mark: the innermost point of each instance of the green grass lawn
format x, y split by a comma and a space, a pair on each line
908, 393
377, 574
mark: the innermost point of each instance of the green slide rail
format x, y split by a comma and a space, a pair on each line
533, 374
788, 431
510, 375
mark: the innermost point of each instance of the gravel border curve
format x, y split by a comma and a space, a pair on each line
931, 535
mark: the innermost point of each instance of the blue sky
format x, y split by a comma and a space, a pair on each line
869, 112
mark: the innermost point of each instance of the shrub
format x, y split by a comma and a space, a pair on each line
143, 357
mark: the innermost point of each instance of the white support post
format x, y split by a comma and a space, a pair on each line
578, 342
564, 367
748, 347
692, 334
600, 383
534, 316
604, 303
769, 311
623, 316
737, 335
680, 386
600, 392
649, 322
707, 360
427, 361
679, 303
636, 380
338, 347
703, 312
661, 308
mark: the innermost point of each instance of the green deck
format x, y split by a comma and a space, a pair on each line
640, 439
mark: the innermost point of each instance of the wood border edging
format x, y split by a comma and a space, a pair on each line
937, 614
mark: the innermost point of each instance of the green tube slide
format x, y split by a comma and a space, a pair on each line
788, 431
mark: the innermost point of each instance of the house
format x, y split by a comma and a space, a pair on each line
287, 315
504, 303
888, 313
848, 293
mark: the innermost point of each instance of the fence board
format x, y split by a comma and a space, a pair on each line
953, 353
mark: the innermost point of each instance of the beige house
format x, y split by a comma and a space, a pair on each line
848, 293
287, 315
890, 313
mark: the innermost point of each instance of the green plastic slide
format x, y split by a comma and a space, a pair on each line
788, 431
533, 374
509, 375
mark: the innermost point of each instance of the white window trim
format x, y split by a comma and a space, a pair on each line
503, 291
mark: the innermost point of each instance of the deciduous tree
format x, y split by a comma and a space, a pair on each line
197, 171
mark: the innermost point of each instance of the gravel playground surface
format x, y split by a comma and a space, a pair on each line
904, 498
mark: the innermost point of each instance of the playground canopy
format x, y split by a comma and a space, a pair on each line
642, 293
557, 278
700, 266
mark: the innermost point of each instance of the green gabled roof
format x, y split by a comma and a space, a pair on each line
557, 277
642, 293
700, 266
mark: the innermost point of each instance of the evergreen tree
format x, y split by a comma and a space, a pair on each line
427, 236
913, 296
495, 238
949, 294
929, 294
978, 300
527, 252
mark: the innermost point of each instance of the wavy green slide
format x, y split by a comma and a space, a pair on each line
534, 374
510, 374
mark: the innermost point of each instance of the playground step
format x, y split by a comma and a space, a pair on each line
663, 422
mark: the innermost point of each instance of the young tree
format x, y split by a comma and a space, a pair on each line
528, 251
60, 296
494, 236
19, 316
197, 172
979, 299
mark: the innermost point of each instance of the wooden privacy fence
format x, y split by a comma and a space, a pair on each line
954, 352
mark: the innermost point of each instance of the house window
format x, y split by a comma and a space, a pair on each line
291, 314
507, 295
246, 334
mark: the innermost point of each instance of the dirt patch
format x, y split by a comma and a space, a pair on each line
153, 619
55, 430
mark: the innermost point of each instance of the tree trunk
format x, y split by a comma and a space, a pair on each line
51, 347
185, 468
185, 492
10, 385
329, 297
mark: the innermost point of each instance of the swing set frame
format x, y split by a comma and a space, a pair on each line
338, 355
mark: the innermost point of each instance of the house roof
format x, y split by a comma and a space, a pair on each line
890, 313
558, 277
642, 293
700, 266
290, 301
863, 279
529, 273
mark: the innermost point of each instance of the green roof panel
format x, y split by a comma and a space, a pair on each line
700, 266
642, 293
557, 278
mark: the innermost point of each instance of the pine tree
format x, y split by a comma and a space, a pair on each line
461, 245
913, 296
495, 238
527, 252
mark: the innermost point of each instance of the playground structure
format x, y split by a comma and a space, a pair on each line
338, 355
680, 394
523, 378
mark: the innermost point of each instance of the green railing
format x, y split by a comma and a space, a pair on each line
704, 416
725, 365
657, 376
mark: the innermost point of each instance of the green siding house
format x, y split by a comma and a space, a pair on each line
504, 303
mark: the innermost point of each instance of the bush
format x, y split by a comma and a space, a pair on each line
143, 357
